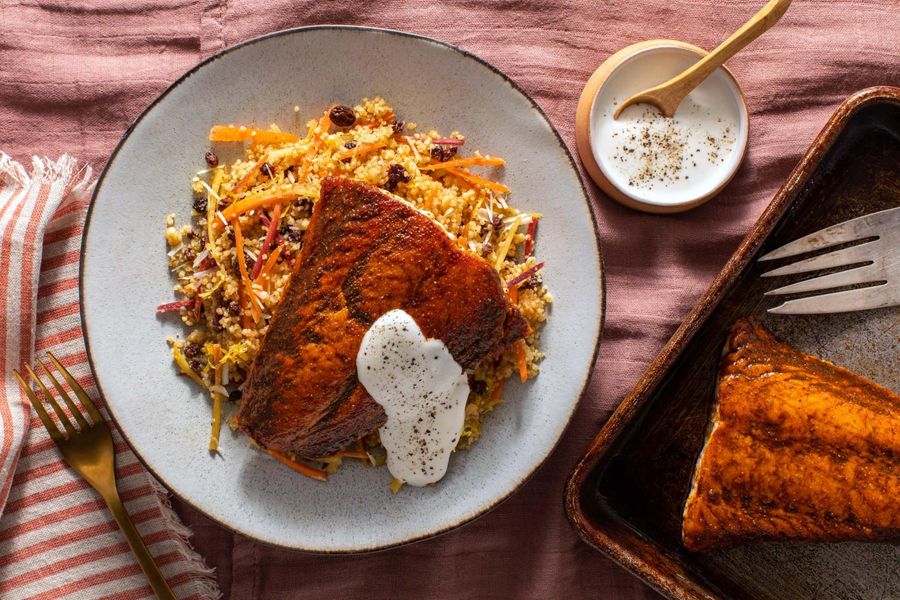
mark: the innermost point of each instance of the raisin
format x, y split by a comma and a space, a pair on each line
191, 350
533, 282
486, 249
396, 175
200, 203
477, 386
443, 153
217, 323
195, 365
342, 116
267, 170
350, 145
234, 309
211, 159
235, 395
248, 263
398, 127
497, 223
291, 234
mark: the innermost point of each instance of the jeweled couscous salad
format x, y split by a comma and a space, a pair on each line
233, 259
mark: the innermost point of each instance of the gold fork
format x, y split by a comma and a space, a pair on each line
89, 450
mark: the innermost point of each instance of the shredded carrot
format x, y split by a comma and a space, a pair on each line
217, 403
485, 161
300, 467
270, 264
321, 125
520, 360
464, 235
246, 319
271, 232
227, 133
245, 277
513, 294
324, 124
359, 151
257, 201
245, 180
476, 180
495, 395
352, 454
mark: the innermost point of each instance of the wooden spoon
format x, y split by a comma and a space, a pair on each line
667, 96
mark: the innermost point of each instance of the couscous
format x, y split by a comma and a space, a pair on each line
232, 259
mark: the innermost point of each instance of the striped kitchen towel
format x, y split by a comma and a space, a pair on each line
57, 539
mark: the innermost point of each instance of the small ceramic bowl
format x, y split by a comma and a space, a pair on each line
629, 71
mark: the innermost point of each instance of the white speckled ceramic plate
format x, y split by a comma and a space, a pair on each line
124, 277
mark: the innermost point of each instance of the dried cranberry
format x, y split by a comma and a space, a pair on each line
191, 350
443, 153
211, 159
497, 223
248, 263
533, 282
397, 174
342, 116
398, 127
200, 203
291, 234
267, 170
234, 309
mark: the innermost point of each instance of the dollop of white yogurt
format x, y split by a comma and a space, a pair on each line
423, 391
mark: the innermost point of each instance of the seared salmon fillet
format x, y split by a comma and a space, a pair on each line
365, 253
798, 449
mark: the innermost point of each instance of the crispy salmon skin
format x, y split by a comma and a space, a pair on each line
366, 253
798, 449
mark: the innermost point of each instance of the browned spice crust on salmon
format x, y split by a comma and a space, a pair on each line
799, 449
365, 253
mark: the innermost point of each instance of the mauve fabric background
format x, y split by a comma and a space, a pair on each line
74, 74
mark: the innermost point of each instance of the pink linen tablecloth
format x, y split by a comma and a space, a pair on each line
74, 73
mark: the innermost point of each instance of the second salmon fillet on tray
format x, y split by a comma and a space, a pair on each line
798, 449
366, 253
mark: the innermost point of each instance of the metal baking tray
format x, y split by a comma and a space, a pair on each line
626, 494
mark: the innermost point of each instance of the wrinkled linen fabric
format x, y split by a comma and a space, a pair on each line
57, 538
74, 74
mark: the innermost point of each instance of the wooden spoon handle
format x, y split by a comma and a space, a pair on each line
752, 29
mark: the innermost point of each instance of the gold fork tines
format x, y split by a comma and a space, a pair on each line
88, 448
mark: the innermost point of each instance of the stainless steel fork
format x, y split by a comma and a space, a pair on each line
876, 262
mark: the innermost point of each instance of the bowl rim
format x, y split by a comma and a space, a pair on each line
740, 102
584, 137
232, 527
